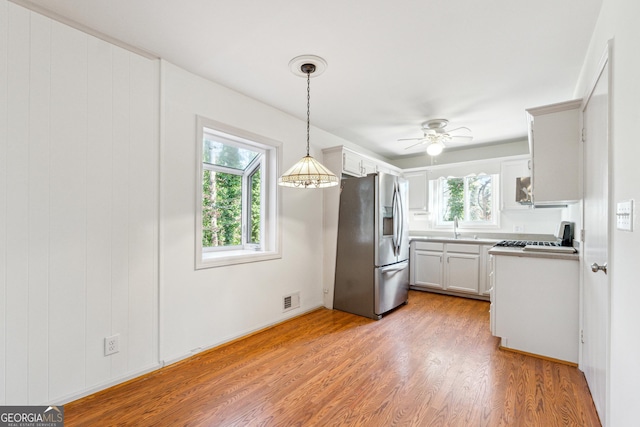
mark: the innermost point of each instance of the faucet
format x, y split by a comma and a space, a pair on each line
455, 228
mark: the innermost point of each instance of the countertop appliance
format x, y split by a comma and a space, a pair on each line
372, 259
563, 243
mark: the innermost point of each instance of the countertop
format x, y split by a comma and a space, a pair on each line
533, 254
497, 250
462, 239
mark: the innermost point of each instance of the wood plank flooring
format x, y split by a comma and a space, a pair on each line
432, 362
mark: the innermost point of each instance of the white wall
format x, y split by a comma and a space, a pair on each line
203, 308
619, 21
78, 210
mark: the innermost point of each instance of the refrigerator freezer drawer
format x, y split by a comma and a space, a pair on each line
391, 287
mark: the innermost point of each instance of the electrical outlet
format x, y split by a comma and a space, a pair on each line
112, 344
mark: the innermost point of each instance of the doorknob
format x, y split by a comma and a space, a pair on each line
595, 267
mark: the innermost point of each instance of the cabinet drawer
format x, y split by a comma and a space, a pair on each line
463, 248
429, 246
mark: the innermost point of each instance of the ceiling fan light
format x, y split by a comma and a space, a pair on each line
434, 149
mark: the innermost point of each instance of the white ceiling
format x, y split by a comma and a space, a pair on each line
391, 64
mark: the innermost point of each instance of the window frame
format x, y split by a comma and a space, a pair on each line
438, 200
270, 232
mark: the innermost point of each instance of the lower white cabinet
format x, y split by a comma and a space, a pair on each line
462, 263
454, 268
426, 263
534, 305
485, 271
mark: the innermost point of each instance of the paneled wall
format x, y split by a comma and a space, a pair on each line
78, 209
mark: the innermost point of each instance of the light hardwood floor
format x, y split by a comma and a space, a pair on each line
432, 362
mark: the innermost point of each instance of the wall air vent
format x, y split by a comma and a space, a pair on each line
289, 302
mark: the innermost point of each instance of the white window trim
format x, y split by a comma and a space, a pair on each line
271, 237
466, 225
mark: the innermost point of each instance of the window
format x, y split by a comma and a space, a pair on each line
236, 213
472, 199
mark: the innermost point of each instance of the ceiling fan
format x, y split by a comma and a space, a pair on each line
436, 135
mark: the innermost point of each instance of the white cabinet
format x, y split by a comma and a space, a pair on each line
535, 305
484, 280
351, 163
418, 190
356, 165
554, 143
344, 161
426, 264
510, 170
453, 268
462, 264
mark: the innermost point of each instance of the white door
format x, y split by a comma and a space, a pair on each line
595, 351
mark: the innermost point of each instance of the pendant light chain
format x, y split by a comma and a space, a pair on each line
308, 107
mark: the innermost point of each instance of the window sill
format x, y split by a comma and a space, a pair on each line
240, 256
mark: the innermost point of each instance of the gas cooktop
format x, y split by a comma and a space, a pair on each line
532, 245
523, 243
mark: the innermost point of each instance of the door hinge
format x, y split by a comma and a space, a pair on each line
584, 134
582, 336
582, 235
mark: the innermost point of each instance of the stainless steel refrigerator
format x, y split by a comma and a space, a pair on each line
372, 260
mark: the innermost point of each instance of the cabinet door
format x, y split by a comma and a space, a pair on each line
554, 140
509, 171
367, 167
351, 164
428, 269
418, 191
462, 272
485, 270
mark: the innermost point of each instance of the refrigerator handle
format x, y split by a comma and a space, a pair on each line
401, 220
395, 213
395, 267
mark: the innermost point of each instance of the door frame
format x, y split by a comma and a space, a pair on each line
605, 63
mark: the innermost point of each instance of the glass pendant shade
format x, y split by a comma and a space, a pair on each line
308, 173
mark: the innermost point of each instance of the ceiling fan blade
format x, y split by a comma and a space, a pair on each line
415, 145
458, 128
462, 137
409, 139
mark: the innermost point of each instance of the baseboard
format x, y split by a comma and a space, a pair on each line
539, 356
108, 384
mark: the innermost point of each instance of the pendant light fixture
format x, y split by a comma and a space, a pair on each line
308, 172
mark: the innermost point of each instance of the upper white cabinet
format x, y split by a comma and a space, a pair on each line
554, 143
418, 190
343, 161
510, 170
